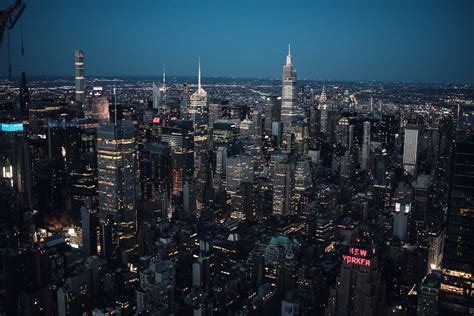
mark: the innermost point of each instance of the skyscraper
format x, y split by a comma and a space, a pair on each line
198, 112
288, 97
457, 282
116, 173
365, 156
79, 76
156, 96
198, 107
359, 288
159, 94
282, 184
24, 100
272, 113
410, 149
323, 104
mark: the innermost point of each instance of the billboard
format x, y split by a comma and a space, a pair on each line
11, 127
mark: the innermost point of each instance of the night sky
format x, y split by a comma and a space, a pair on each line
385, 40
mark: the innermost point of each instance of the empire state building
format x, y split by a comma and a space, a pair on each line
289, 110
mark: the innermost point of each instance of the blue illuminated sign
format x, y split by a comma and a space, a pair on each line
11, 127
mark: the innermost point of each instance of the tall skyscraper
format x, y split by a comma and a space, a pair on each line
116, 173
159, 94
457, 282
198, 112
272, 113
365, 156
323, 105
288, 97
79, 76
239, 169
198, 107
410, 149
24, 98
156, 96
282, 184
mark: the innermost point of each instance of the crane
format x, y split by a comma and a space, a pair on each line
10, 15
8, 19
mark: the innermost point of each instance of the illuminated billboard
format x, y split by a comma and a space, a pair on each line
11, 127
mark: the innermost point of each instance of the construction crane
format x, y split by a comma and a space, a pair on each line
8, 19
10, 15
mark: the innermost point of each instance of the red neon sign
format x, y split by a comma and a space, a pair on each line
156, 120
357, 256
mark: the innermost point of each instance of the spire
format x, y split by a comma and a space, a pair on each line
164, 75
323, 97
199, 74
288, 57
199, 91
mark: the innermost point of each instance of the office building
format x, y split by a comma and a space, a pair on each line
410, 149
117, 195
79, 76
289, 110
365, 154
457, 282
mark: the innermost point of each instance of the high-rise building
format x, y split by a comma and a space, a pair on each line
159, 94
359, 288
342, 136
303, 183
239, 169
400, 220
225, 133
428, 295
410, 149
365, 155
198, 112
198, 107
272, 113
155, 171
457, 282
24, 97
282, 184
288, 97
116, 173
323, 106
79, 76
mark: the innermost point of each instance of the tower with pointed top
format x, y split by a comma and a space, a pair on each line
288, 97
198, 106
323, 106
198, 112
159, 93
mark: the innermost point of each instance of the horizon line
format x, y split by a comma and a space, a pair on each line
94, 76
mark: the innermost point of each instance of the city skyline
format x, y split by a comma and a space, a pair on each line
370, 41
215, 194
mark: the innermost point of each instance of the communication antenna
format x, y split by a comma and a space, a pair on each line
115, 104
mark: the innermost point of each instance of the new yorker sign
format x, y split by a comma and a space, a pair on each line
357, 256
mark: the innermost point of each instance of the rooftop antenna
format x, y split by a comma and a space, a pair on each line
115, 104
164, 75
199, 74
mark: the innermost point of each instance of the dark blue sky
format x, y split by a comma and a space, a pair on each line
393, 40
